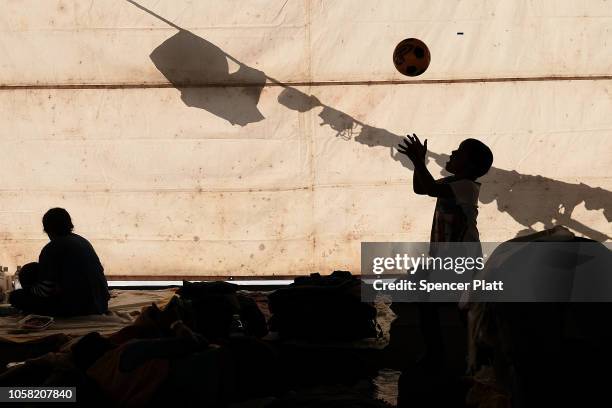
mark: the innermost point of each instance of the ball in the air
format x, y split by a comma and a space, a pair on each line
411, 57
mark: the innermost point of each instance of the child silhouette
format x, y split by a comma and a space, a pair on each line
456, 207
454, 215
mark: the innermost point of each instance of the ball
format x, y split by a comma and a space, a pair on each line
411, 57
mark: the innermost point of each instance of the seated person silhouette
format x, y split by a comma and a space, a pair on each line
68, 279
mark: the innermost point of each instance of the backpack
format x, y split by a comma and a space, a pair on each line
322, 308
212, 306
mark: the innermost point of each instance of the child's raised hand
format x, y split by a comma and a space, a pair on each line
413, 148
407, 149
421, 147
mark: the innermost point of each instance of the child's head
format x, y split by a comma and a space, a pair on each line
29, 275
472, 159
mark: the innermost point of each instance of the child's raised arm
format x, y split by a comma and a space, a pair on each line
422, 180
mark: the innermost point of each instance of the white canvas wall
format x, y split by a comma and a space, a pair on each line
244, 179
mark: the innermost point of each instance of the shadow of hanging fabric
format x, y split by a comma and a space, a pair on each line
531, 199
200, 71
528, 199
345, 126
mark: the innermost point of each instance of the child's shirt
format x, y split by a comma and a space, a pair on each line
455, 218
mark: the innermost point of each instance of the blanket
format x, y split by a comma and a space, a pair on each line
124, 307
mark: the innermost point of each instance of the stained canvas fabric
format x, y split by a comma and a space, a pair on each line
257, 139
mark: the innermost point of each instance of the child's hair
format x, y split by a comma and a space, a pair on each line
481, 157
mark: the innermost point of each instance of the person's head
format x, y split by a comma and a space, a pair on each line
57, 222
29, 274
472, 159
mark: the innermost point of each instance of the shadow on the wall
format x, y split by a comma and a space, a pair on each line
199, 68
192, 64
345, 126
201, 72
528, 199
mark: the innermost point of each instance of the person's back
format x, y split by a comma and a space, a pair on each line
455, 217
68, 279
73, 265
